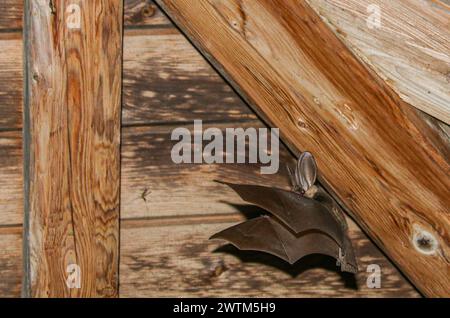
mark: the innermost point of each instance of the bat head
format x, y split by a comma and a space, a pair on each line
305, 175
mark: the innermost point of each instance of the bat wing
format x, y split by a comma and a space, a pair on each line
298, 213
255, 235
265, 234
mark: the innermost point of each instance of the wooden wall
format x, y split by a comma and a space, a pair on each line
168, 212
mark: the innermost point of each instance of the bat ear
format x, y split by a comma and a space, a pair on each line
306, 172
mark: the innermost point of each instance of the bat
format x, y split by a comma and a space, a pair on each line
300, 222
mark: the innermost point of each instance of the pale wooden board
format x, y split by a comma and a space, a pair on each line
179, 261
411, 50
375, 152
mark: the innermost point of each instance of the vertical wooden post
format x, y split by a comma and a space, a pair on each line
72, 155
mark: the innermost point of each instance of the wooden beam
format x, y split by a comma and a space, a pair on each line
409, 48
72, 153
375, 152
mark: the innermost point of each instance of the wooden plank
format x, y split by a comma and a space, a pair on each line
374, 151
11, 178
202, 199
11, 13
137, 13
153, 186
167, 80
178, 261
141, 165
11, 80
72, 147
158, 86
140, 13
410, 50
10, 261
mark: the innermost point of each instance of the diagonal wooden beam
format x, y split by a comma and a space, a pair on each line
72, 139
380, 157
405, 42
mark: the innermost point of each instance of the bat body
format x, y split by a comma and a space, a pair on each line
297, 225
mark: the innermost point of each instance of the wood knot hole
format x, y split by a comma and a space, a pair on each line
148, 11
301, 124
425, 242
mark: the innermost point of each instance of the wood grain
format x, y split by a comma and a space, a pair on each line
11, 13
178, 260
411, 50
152, 193
11, 178
72, 147
158, 85
145, 170
166, 80
140, 13
10, 261
137, 13
374, 151
153, 186
11, 80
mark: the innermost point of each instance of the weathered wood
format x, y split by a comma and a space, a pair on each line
10, 261
152, 193
137, 13
374, 151
410, 50
11, 178
179, 261
153, 186
144, 169
158, 85
72, 146
167, 80
11, 13
11, 80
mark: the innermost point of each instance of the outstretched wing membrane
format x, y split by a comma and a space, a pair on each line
268, 235
296, 212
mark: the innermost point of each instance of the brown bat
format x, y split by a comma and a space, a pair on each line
301, 222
